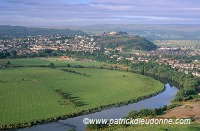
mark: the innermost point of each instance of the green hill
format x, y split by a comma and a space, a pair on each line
20, 31
126, 42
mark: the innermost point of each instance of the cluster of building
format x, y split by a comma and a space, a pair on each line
87, 43
175, 51
53, 42
181, 65
160, 53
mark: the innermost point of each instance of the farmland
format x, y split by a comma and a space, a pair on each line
29, 94
47, 61
177, 43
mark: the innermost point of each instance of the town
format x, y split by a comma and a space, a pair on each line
88, 43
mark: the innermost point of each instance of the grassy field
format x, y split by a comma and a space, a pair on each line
179, 127
177, 43
47, 61
33, 93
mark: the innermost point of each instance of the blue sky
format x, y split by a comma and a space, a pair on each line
89, 12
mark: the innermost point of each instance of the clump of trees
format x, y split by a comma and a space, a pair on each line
150, 112
96, 126
51, 65
4, 54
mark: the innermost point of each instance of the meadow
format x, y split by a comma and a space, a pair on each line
177, 43
47, 61
30, 94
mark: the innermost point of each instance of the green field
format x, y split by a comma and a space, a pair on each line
177, 43
47, 61
32, 93
177, 127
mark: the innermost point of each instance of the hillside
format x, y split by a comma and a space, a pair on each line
126, 42
20, 31
150, 32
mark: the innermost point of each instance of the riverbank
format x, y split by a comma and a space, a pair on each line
187, 110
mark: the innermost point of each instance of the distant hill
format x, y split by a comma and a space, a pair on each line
150, 32
126, 42
20, 31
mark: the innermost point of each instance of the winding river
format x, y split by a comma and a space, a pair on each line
76, 123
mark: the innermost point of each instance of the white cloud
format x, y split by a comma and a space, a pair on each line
110, 7
191, 9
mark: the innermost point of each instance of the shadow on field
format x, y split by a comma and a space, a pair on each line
2, 81
69, 99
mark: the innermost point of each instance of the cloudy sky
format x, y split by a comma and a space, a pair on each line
89, 12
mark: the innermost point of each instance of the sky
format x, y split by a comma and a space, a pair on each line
90, 12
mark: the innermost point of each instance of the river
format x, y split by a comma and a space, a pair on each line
76, 123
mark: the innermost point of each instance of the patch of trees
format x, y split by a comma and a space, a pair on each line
74, 72
97, 126
51, 65
4, 54
150, 112
186, 83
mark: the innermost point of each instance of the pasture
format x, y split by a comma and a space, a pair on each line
177, 43
47, 61
28, 94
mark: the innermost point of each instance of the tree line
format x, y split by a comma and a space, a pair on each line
75, 72
187, 84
